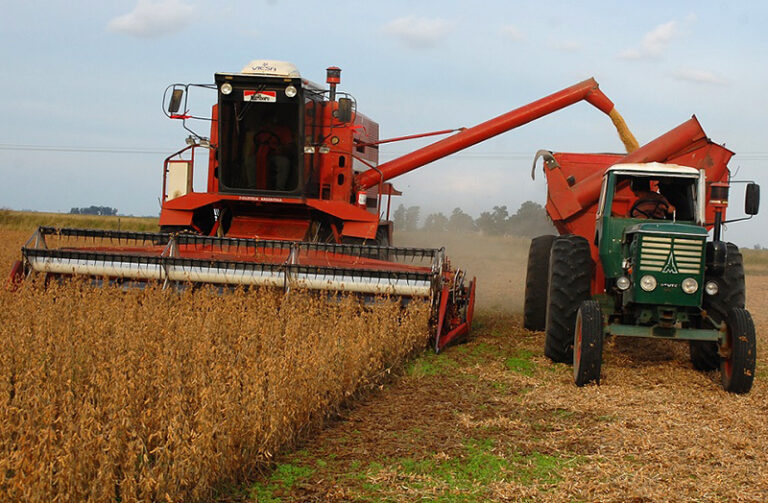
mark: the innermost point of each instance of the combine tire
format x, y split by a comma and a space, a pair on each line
737, 369
570, 276
588, 344
731, 293
537, 283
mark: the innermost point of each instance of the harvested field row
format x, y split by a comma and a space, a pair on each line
495, 420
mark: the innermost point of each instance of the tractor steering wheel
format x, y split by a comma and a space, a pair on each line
650, 211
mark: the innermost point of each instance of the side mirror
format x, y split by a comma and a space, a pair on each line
752, 199
175, 103
344, 112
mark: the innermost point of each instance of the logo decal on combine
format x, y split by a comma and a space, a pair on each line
263, 96
670, 267
264, 67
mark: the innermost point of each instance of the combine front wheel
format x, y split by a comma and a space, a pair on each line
588, 344
570, 276
737, 367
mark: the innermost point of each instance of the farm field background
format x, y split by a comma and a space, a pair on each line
488, 419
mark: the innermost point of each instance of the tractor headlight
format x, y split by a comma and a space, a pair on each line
290, 91
226, 88
690, 285
711, 288
622, 283
648, 283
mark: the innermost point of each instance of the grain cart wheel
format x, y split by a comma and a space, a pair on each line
570, 276
537, 283
737, 367
588, 343
730, 294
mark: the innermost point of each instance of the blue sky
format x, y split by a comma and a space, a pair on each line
81, 88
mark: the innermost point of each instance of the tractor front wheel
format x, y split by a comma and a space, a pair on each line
731, 293
588, 344
737, 366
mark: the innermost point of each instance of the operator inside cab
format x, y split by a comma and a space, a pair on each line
649, 203
655, 197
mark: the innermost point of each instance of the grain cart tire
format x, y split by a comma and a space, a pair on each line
570, 276
537, 283
737, 369
730, 294
588, 343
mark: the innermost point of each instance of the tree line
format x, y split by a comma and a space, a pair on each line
530, 220
94, 210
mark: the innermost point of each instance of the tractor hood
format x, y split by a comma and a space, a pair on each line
666, 263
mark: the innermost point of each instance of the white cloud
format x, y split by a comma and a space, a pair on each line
699, 76
418, 32
654, 42
154, 18
512, 32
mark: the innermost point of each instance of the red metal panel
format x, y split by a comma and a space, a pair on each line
344, 211
191, 201
268, 228
365, 230
175, 217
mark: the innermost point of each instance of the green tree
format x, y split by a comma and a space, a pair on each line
461, 222
493, 223
436, 222
412, 218
530, 220
398, 218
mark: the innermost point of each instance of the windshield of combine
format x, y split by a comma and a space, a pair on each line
259, 142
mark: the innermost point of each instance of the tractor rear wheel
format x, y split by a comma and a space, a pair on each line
570, 277
730, 294
588, 344
737, 367
537, 283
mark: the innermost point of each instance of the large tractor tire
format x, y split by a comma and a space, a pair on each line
731, 293
570, 277
737, 369
588, 344
537, 283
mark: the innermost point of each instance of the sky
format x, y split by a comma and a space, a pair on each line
81, 88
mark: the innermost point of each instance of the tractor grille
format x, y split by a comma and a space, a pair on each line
671, 255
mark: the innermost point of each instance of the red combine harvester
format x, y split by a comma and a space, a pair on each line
295, 198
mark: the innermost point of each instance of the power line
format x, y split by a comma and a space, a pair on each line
87, 150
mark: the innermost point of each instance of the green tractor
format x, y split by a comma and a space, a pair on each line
649, 271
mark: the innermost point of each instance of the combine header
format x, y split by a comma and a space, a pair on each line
295, 198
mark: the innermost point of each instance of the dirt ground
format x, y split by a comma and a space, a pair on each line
493, 419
